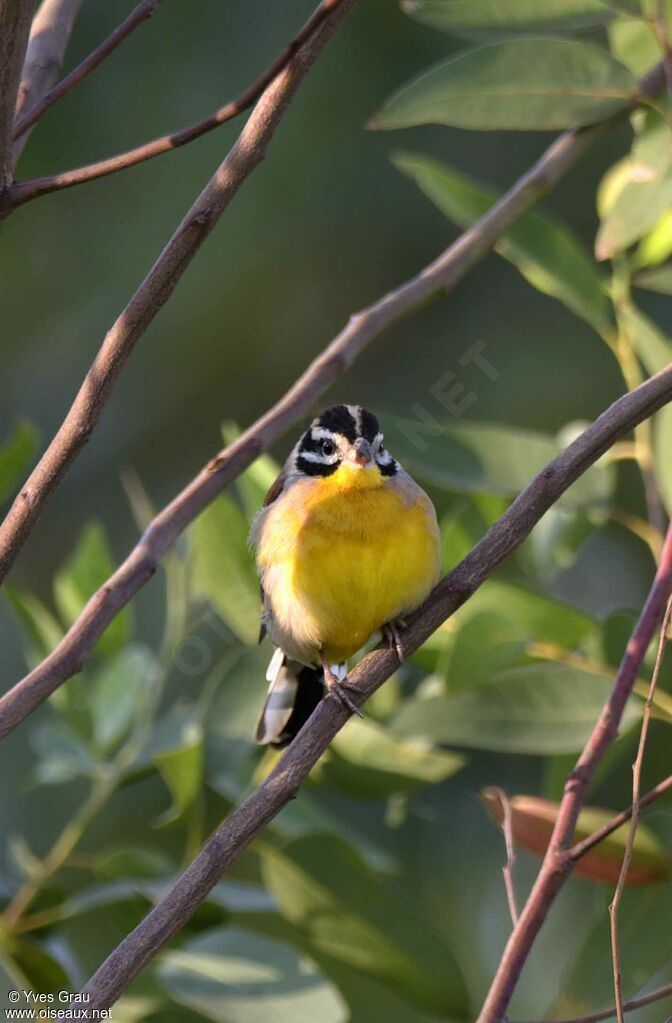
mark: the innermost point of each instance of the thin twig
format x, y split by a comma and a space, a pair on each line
507, 869
25, 191
49, 36
138, 15
157, 287
248, 820
634, 818
633, 1003
556, 864
14, 29
586, 844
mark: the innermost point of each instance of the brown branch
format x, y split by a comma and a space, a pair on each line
157, 287
14, 29
249, 819
507, 869
440, 277
634, 818
25, 191
35, 107
557, 863
49, 35
588, 843
633, 1003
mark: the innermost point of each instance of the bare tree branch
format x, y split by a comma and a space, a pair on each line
556, 864
27, 190
36, 106
157, 287
49, 35
252, 816
588, 843
633, 1003
14, 29
634, 818
507, 869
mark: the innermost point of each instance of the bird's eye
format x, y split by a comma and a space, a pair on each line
328, 447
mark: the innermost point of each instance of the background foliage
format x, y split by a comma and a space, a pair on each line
378, 892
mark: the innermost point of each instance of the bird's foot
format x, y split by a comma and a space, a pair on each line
336, 680
391, 633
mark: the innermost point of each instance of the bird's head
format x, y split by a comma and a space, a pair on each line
345, 442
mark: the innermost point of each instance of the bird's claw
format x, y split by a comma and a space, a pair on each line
391, 634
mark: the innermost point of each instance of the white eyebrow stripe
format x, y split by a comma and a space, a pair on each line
321, 433
378, 439
384, 457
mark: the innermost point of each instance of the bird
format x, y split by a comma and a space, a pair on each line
345, 545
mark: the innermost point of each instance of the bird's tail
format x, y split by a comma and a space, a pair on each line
294, 692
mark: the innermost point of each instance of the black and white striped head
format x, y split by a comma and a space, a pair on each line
343, 435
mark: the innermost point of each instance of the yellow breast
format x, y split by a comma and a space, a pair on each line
348, 553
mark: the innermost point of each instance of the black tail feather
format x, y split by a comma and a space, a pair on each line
293, 695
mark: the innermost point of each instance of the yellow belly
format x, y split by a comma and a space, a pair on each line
347, 562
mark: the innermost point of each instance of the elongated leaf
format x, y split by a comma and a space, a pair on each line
15, 454
654, 248
119, 693
506, 15
644, 950
256, 480
645, 190
487, 458
224, 569
543, 709
87, 569
533, 819
526, 84
368, 762
545, 252
659, 280
347, 912
663, 454
231, 976
182, 770
42, 630
650, 344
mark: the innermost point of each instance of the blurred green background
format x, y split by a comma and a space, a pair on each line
322, 228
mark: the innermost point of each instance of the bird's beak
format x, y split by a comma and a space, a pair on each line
361, 452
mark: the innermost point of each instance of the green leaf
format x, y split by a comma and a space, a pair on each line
644, 190
254, 483
650, 344
86, 571
545, 252
655, 247
524, 84
634, 44
38, 969
367, 762
346, 911
43, 632
506, 15
540, 709
644, 949
15, 455
223, 568
182, 770
485, 644
231, 976
659, 280
120, 692
488, 458
62, 756
662, 446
